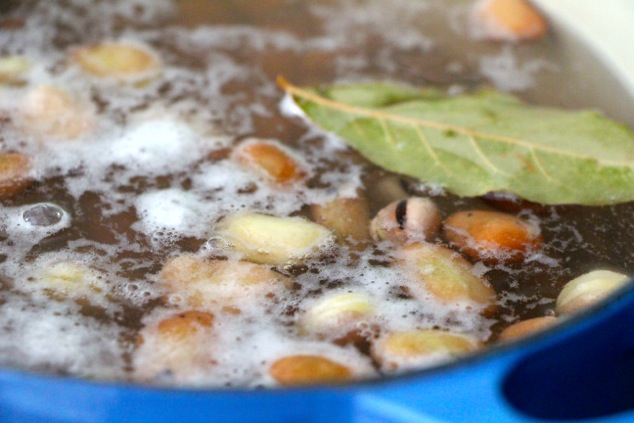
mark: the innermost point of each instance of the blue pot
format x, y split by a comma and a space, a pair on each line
581, 370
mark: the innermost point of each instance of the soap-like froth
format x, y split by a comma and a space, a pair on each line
54, 336
154, 165
172, 211
155, 146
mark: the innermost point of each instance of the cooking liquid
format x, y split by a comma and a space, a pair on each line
154, 179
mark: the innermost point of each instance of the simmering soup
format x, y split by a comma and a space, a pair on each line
170, 216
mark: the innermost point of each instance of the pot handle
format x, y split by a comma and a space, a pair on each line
583, 370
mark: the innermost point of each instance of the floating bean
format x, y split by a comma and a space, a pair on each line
412, 219
117, 60
298, 370
13, 69
526, 328
200, 282
492, 236
447, 276
274, 240
15, 174
347, 218
176, 348
588, 289
49, 112
418, 348
271, 159
509, 20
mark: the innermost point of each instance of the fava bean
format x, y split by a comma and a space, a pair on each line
49, 112
120, 61
509, 20
15, 174
492, 236
200, 282
176, 348
446, 275
347, 218
417, 348
271, 159
308, 370
526, 328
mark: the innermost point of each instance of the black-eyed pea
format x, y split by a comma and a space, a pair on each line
347, 217
299, 370
526, 328
15, 174
411, 219
492, 237
119, 61
175, 349
198, 282
274, 240
345, 318
588, 289
271, 159
398, 351
508, 20
49, 112
13, 70
447, 276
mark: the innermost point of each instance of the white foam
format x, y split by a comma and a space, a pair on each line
54, 336
173, 125
154, 146
171, 211
509, 73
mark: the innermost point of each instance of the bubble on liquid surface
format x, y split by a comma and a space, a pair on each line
43, 214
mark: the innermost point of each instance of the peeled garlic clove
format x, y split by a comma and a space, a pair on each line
203, 282
526, 328
446, 275
588, 289
15, 174
338, 316
420, 348
49, 112
13, 69
347, 218
298, 370
492, 236
274, 240
412, 219
121, 61
272, 159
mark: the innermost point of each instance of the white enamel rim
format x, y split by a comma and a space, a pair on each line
606, 26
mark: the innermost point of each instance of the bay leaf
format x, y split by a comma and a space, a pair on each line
477, 143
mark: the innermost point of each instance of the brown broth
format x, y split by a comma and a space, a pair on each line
308, 43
